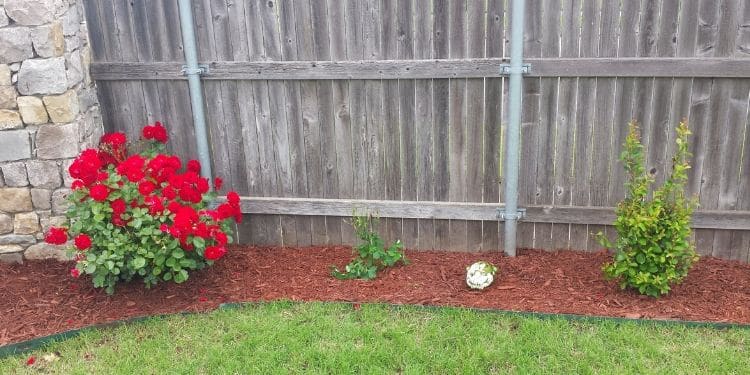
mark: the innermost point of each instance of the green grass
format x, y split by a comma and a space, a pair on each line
285, 337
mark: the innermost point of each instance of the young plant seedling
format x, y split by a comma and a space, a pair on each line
372, 255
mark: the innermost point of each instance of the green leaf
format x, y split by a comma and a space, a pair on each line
139, 262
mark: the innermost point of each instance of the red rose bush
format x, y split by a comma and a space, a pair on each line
142, 215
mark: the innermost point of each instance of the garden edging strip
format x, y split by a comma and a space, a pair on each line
39, 342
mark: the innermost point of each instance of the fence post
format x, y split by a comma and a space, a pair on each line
512, 214
193, 72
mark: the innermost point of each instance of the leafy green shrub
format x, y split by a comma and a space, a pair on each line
142, 215
653, 248
372, 255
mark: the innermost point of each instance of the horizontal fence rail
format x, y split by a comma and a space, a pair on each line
428, 69
702, 219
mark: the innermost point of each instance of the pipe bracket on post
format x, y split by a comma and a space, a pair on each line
202, 69
518, 215
506, 69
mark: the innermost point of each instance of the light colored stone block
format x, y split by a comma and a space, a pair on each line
8, 94
14, 145
42, 76
4, 75
41, 199
15, 44
75, 70
32, 110
17, 239
26, 223
15, 200
48, 40
60, 201
57, 141
6, 224
34, 12
62, 108
44, 174
4, 20
43, 250
15, 174
5, 249
10, 119
12, 258
71, 22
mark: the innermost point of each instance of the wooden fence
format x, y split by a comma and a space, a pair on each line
317, 107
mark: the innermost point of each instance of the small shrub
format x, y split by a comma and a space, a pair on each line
653, 248
142, 215
372, 255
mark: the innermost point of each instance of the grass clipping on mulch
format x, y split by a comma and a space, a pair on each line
40, 298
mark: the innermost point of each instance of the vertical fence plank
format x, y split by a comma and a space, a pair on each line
740, 242
565, 129
704, 100
602, 132
423, 41
475, 40
310, 115
441, 117
392, 151
586, 108
457, 148
407, 120
530, 121
493, 114
342, 117
297, 155
322, 51
550, 39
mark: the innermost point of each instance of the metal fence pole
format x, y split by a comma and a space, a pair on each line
193, 72
516, 71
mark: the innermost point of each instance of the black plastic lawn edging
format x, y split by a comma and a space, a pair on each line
39, 342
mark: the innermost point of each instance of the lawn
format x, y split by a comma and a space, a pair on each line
286, 337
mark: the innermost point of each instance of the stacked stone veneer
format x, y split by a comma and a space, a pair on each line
48, 113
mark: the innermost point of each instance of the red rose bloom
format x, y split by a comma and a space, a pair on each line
146, 187
77, 184
132, 168
217, 183
214, 252
86, 166
118, 207
56, 236
82, 242
75, 273
155, 132
99, 192
194, 166
233, 198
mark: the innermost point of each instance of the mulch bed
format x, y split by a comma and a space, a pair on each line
40, 298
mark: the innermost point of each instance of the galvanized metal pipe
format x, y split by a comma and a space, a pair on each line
514, 126
193, 73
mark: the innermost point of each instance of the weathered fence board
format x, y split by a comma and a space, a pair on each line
402, 103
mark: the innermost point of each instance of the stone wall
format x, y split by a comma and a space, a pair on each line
48, 113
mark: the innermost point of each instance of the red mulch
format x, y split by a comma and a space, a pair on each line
40, 298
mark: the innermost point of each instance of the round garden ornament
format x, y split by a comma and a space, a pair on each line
480, 275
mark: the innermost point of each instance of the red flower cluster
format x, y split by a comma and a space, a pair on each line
155, 132
112, 148
171, 195
82, 241
56, 236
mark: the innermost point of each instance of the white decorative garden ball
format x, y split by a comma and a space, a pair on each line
480, 275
